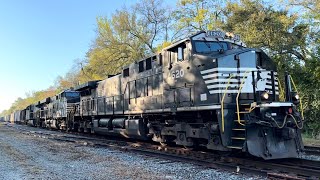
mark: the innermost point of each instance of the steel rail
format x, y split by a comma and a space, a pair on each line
293, 168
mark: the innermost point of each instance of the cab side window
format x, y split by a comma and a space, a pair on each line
159, 57
182, 53
126, 72
141, 66
173, 56
148, 63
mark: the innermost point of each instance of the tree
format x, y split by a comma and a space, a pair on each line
31, 98
126, 37
152, 23
309, 12
197, 15
69, 80
263, 27
114, 46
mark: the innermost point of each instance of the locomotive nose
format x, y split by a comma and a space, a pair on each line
271, 143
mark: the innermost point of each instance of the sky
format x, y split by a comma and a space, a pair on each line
39, 40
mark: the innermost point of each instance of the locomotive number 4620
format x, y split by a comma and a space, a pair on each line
175, 74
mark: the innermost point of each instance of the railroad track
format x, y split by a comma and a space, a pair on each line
273, 169
312, 150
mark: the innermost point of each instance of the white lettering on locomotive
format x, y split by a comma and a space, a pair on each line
175, 74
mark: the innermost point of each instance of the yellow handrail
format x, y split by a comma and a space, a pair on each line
222, 100
301, 109
281, 91
237, 99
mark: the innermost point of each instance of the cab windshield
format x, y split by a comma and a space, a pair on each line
210, 46
70, 95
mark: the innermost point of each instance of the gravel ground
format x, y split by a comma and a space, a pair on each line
32, 157
310, 157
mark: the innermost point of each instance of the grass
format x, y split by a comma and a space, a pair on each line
307, 140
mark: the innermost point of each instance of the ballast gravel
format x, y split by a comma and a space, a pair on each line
310, 157
32, 157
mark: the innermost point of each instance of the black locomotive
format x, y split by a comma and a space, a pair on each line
207, 90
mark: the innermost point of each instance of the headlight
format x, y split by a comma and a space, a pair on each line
265, 95
295, 97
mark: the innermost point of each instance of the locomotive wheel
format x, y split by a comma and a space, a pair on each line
68, 126
86, 130
167, 141
75, 127
195, 146
81, 130
165, 144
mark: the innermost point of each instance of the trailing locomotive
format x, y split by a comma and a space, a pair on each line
52, 112
206, 90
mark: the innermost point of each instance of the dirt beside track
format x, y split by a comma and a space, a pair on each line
34, 157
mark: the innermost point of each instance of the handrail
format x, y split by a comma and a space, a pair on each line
281, 91
222, 100
301, 109
237, 99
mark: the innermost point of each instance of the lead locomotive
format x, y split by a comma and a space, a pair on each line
206, 90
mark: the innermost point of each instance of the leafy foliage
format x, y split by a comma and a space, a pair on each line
308, 79
126, 37
262, 26
31, 98
197, 15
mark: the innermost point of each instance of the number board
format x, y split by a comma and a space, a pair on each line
221, 34
215, 34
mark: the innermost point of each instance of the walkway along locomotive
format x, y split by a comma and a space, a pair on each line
207, 90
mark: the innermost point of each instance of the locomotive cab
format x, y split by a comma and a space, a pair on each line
69, 96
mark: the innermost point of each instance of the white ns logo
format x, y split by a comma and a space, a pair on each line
175, 74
